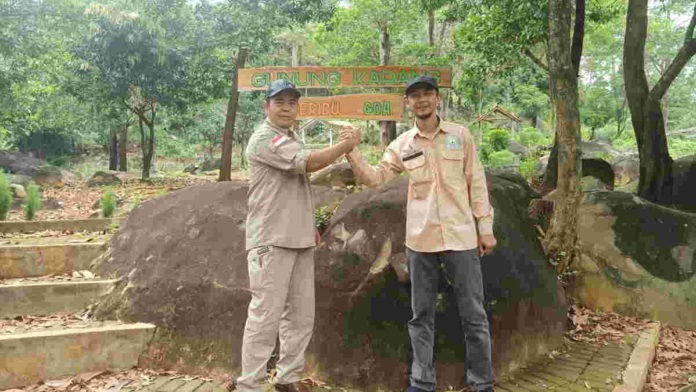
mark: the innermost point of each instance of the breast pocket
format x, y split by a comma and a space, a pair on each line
453, 167
416, 168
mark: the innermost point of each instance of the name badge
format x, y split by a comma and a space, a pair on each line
412, 156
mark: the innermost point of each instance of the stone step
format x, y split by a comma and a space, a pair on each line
28, 358
74, 225
23, 261
49, 297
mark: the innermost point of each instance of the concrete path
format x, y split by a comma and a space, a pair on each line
582, 368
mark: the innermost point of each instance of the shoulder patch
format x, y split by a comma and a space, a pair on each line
279, 140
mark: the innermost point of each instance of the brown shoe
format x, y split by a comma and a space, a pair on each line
231, 385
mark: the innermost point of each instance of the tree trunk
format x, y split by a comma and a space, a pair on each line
123, 149
296, 53
561, 242
551, 174
228, 133
145, 169
387, 128
431, 28
578, 35
443, 29
655, 182
113, 150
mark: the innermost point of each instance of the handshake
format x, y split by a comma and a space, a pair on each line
351, 135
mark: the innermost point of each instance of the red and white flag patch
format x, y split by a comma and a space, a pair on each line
280, 140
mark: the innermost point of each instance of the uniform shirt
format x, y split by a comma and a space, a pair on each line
448, 204
281, 209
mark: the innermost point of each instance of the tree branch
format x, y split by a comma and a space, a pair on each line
690, 30
578, 35
683, 56
536, 60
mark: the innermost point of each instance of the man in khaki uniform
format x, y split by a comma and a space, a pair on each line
280, 240
449, 223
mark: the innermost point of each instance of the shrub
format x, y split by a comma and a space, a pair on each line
33, 201
527, 167
5, 196
530, 136
322, 217
499, 139
501, 159
108, 203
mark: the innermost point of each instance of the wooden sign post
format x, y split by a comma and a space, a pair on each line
334, 77
387, 108
363, 106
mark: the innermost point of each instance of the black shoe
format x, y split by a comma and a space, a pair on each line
415, 389
286, 388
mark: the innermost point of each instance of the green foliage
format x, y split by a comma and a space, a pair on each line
33, 204
5, 196
681, 146
501, 158
527, 167
108, 203
322, 217
499, 139
531, 137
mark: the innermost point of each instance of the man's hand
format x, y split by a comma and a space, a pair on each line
351, 135
486, 244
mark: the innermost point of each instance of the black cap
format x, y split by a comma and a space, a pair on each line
421, 81
278, 86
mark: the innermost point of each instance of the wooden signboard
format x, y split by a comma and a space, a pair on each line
363, 106
329, 77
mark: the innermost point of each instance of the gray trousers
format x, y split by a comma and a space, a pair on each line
463, 269
282, 305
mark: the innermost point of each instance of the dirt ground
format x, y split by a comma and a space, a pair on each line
82, 202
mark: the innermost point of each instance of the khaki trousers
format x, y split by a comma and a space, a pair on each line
282, 303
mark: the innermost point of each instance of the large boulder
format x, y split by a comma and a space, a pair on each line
182, 266
339, 174
102, 178
598, 150
638, 258
626, 172
20, 163
206, 165
684, 188
54, 176
19, 179
600, 170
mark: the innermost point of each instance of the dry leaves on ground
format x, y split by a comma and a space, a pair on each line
675, 361
602, 327
105, 381
55, 278
78, 202
58, 321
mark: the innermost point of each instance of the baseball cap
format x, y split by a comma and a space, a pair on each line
421, 81
278, 86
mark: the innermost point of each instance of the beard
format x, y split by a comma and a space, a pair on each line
426, 115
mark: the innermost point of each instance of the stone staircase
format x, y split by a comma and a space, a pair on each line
50, 285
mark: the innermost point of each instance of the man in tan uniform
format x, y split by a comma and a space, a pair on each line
449, 224
280, 240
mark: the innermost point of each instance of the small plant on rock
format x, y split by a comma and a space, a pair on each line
5, 196
108, 203
33, 201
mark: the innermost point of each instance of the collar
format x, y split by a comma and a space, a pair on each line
415, 131
276, 128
